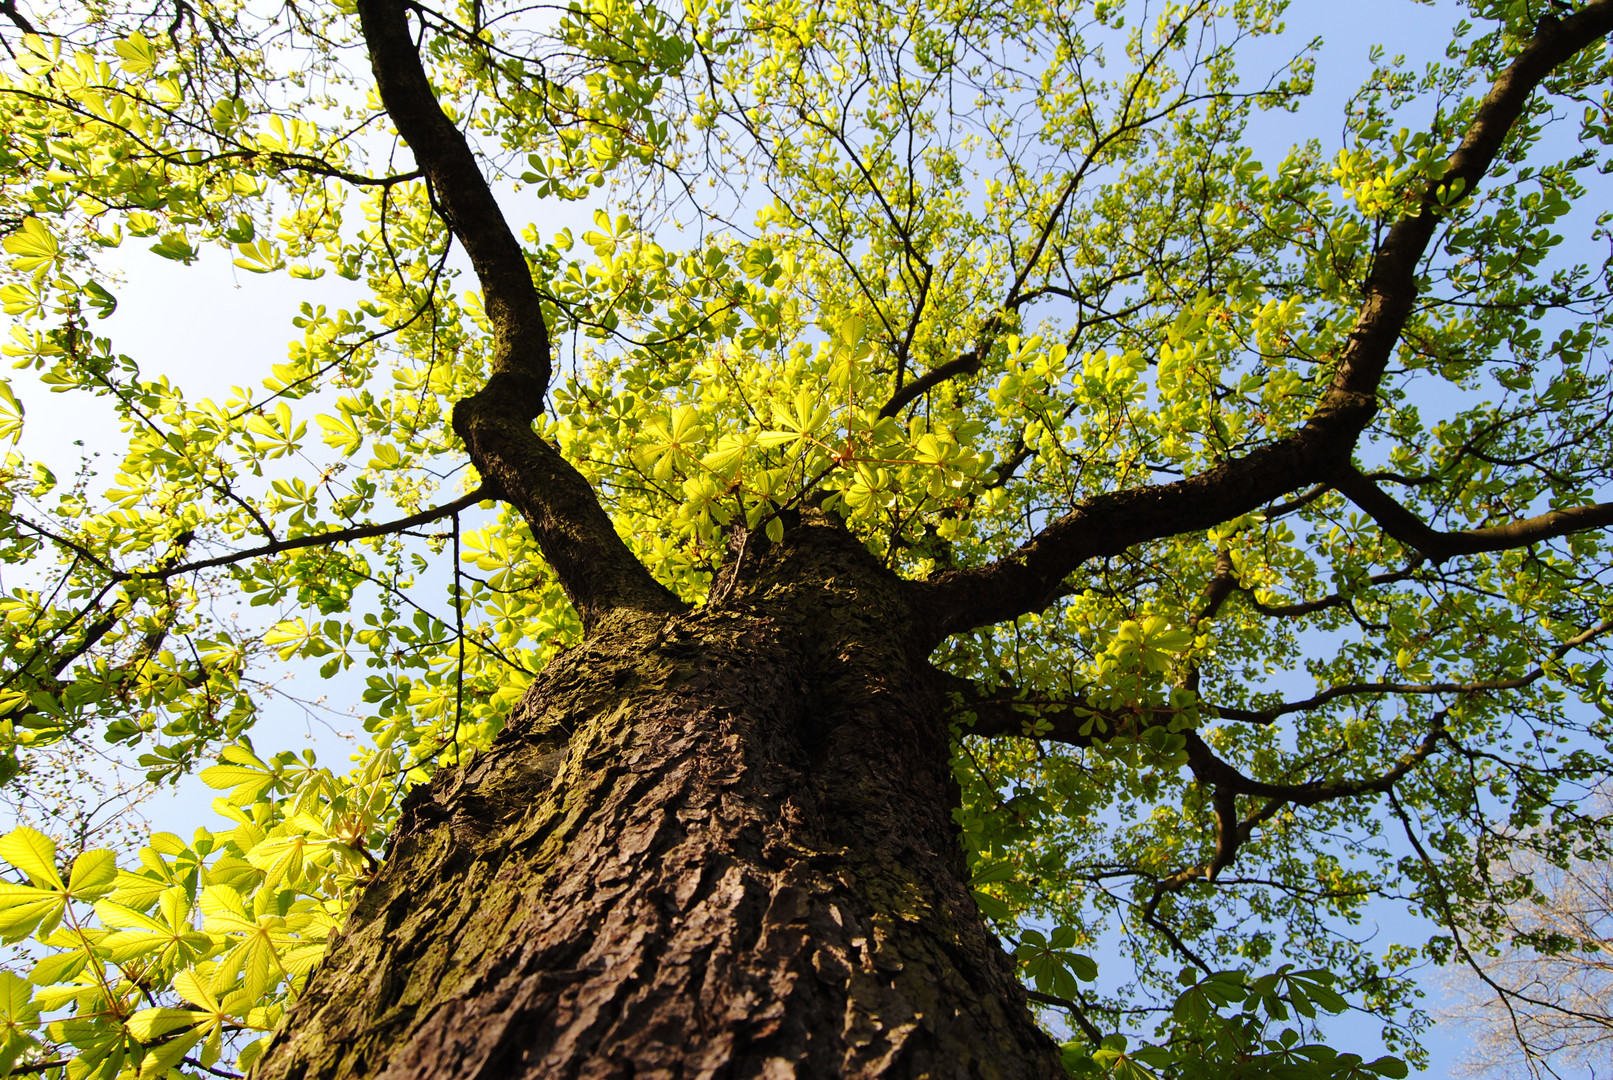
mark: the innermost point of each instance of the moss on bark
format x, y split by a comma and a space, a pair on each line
712, 844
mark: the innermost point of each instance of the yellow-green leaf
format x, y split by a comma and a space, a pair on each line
34, 853
32, 244
94, 873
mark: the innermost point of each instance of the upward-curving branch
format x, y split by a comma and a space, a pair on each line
1030, 577
593, 565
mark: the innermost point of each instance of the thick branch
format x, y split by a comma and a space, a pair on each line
9, 9
1212, 770
1415, 533
1228, 836
521, 341
1010, 712
967, 364
1228, 783
1332, 600
576, 536
1110, 523
1222, 585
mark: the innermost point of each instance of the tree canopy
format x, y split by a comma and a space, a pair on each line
1258, 508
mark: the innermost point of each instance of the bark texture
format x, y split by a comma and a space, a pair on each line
709, 844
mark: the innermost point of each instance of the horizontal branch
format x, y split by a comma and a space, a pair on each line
334, 536
1332, 600
1077, 722
1227, 783
1415, 533
1071, 722
1211, 770
275, 547
1011, 712
242, 154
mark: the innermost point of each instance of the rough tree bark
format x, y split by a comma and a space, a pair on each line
718, 842
708, 844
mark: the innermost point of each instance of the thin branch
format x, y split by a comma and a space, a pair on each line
1270, 714
334, 536
1077, 1013
1332, 600
1448, 918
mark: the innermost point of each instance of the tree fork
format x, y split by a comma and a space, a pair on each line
708, 844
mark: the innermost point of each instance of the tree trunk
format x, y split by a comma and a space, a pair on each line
718, 844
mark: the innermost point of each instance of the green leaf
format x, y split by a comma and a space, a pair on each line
260, 257
993, 872
11, 413
59, 967
138, 55
34, 853
19, 1016
94, 873
16, 1002
249, 783
165, 1056
991, 907
174, 246
25, 910
32, 245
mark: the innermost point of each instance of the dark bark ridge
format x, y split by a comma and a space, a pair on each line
714, 844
